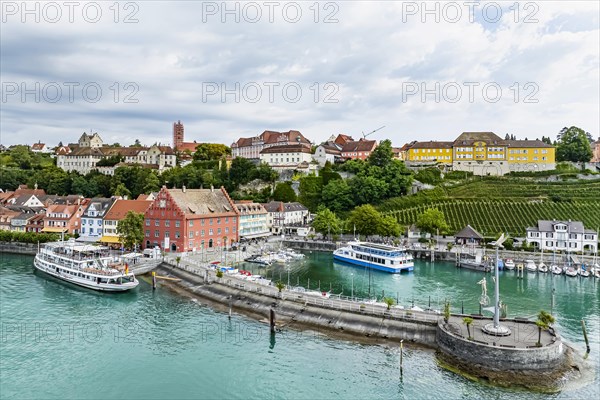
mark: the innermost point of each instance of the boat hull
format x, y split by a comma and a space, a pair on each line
103, 287
361, 263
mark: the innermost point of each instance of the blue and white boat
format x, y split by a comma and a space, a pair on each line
377, 256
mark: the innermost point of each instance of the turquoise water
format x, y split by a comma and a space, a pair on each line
61, 342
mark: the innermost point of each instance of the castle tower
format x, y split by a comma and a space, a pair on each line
177, 134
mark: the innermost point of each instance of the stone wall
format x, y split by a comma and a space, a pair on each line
18, 248
500, 358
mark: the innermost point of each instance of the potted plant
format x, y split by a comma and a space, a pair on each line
446, 312
468, 321
543, 322
389, 302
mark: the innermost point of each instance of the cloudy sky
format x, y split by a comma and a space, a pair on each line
128, 71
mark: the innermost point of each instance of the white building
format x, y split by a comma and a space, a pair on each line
253, 221
85, 159
40, 147
284, 216
287, 157
327, 152
92, 225
568, 236
251, 147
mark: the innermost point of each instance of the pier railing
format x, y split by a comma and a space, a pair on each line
314, 298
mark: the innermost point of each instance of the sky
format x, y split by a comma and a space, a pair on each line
422, 71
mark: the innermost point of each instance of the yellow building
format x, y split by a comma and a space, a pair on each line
430, 152
485, 153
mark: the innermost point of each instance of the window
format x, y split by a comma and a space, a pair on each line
226, 230
156, 222
147, 232
168, 223
191, 222
210, 232
202, 232
156, 233
210, 221
219, 231
177, 235
167, 234
147, 222
176, 224
191, 235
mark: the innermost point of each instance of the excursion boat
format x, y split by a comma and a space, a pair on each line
530, 266
509, 264
86, 265
377, 256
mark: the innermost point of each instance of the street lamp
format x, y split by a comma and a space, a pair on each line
352, 278
495, 328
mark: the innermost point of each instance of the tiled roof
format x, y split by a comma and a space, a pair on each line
250, 208
291, 148
431, 145
469, 233
279, 206
273, 137
548, 226
100, 204
188, 146
527, 143
120, 208
468, 138
202, 201
360, 145
38, 146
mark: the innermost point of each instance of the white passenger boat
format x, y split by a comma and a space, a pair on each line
86, 265
530, 266
509, 264
377, 256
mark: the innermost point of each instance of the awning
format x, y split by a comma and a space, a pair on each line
51, 229
109, 239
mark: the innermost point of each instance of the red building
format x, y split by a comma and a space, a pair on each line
360, 149
191, 219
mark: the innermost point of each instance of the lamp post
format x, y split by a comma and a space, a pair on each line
495, 328
352, 290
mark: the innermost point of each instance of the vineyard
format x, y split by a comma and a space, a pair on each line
493, 205
492, 216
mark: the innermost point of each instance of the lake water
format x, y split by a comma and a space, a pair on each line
62, 342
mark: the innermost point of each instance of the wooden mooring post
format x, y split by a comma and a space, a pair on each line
153, 280
272, 320
585, 337
401, 346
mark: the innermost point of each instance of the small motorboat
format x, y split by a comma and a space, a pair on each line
584, 272
542, 267
530, 266
556, 270
571, 271
509, 264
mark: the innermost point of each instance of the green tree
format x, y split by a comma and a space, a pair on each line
280, 286
242, 171
573, 145
22, 156
152, 183
121, 190
382, 155
284, 192
265, 173
368, 189
326, 222
468, 321
337, 196
137, 143
366, 219
211, 151
543, 321
310, 189
388, 227
431, 221
389, 302
131, 229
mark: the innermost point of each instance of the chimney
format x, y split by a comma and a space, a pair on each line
183, 188
212, 188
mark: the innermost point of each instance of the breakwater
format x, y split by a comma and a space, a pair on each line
19, 248
294, 309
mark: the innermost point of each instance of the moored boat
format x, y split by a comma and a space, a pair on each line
87, 265
556, 270
584, 272
509, 264
542, 267
377, 256
571, 271
530, 266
